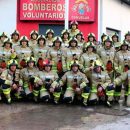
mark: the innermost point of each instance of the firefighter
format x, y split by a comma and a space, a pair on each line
56, 55
33, 38
15, 36
23, 51
65, 36
50, 87
3, 36
76, 84
79, 37
49, 37
122, 59
83, 39
73, 52
127, 38
6, 52
125, 79
115, 40
11, 82
3, 66
40, 51
107, 55
102, 89
103, 37
73, 28
122, 64
90, 38
31, 82
87, 59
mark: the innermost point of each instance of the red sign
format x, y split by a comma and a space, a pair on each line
80, 10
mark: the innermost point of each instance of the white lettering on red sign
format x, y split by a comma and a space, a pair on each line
43, 15
43, 7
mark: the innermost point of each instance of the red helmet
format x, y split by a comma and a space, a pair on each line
23, 63
47, 62
3, 65
40, 64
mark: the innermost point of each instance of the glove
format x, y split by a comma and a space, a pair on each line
36, 80
47, 86
8, 82
57, 89
110, 87
82, 85
54, 84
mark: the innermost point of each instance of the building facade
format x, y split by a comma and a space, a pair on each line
106, 16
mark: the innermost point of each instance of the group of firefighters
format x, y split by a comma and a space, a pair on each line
65, 68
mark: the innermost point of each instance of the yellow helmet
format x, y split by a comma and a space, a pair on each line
124, 43
127, 34
33, 32
3, 35
74, 63
31, 59
74, 22
103, 37
15, 32
90, 44
49, 31
24, 38
57, 38
118, 44
41, 37
107, 39
91, 35
12, 62
7, 40
64, 31
73, 39
79, 33
115, 34
98, 63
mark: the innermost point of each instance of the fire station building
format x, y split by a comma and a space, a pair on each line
97, 16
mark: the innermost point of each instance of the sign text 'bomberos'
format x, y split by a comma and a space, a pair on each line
80, 10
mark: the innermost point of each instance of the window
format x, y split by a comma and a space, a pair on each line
110, 32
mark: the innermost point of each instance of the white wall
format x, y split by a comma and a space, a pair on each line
8, 16
115, 15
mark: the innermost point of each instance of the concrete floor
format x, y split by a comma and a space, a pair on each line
30, 116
